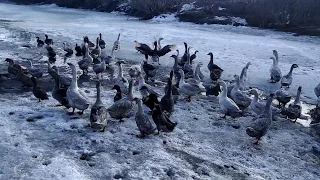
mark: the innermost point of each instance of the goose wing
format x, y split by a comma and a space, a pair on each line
317, 90
166, 49
231, 105
144, 48
193, 88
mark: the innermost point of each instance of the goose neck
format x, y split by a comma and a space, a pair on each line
275, 61
196, 73
297, 100
255, 97
211, 58
130, 91
74, 82
169, 91
30, 63
120, 74
98, 100
175, 65
224, 90
268, 105
182, 81
290, 72
140, 108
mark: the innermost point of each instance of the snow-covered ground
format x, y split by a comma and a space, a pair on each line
39, 141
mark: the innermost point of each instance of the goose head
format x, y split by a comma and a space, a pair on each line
46, 36
37, 37
117, 88
294, 66
253, 92
160, 39
275, 53
248, 64
210, 54
9, 60
196, 52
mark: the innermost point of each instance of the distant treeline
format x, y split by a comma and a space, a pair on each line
286, 15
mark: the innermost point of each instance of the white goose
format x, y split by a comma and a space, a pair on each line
244, 77
116, 44
76, 98
227, 105
275, 72
196, 77
120, 80
189, 89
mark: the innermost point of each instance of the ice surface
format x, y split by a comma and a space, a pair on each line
39, 141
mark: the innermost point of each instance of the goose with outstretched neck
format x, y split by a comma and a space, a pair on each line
102, 43
85, 62
244, 77
120, 80
294, 109
98, 114
239, 97
167, 102
76, 98
59, 91
142, 120
275, 72
286, 80
260, 124
215, 70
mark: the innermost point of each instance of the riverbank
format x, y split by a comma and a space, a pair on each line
216, 12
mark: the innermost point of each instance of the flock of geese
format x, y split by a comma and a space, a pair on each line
183, 80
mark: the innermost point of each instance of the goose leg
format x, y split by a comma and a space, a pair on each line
142, 135
71, 113
257, 141
39, 100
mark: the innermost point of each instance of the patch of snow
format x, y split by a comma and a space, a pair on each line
165, 18
239, 20
221, 18
188, 7
221, 8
